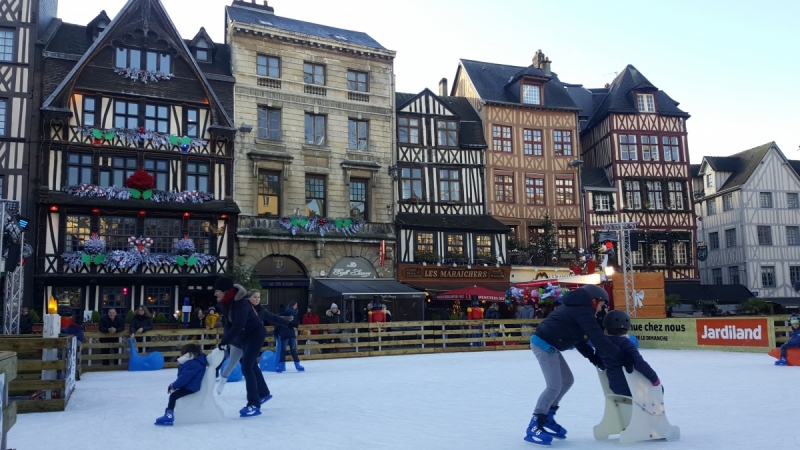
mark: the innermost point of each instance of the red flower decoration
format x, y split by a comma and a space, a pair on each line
141, 130
141, 181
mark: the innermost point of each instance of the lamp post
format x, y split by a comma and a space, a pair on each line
578, 163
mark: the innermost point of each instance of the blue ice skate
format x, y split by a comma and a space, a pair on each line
250, 411
553, 428
536, 434
781, 362
281, 367
167, 420
265, 399
298, 367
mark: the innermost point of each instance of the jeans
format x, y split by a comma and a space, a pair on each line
785, 347
292, 342
235, 356
176, 394
557, 378
253, 379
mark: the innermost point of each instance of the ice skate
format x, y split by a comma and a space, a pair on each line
265, 399
298, 367
249, 411
281, 367
535, 434
553, 428
167, 419
781, 361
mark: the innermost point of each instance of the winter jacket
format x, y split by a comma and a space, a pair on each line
75, 329
286, 330
118, 323
616, 379
190, 373
331, 318
197, 322
268, 318
211, 320
794, 339
527, 312
492, 313
311, 319
242, 316
26, 324
569, 323
143, 322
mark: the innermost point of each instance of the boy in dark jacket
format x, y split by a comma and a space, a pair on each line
288, 337
794, 340
191, 368
564, 328
25, 322
617, 324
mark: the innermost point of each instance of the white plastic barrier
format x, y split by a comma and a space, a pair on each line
202, 407
637, 418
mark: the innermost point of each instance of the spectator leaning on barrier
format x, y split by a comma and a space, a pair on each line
142, 321
25, 322
333, 316
111, 324
311, 318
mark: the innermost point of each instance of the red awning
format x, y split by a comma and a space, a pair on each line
468, 292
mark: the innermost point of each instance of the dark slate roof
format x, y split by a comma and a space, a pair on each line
694, 170
470, 133
221, 64
582, 97
741, 165
691, 291
723, 163
492, 83
70, 39
795, 165
455, 223
594, 177
246, 15
400, 98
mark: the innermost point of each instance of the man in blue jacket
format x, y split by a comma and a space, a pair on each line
562, 329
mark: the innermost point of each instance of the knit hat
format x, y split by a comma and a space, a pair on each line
334, 305
212, 309
223, 284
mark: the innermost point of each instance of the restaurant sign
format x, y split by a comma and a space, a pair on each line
485, 273
353, 267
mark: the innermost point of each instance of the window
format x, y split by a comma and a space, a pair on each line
159, 299
120, 168
504, 188
3, 110
483, 247
671, 152
655, 198
411, 183
357, 81
659, 254
562, 143
646, 103
449, 185
192, 122
531, 94
69, 296
6, 45
765, 199
159, 169
730, 238
679, 253
269, 66
314, 74
358, 198
408, 130
126, 115
727, 202
768, 276
269, 123
156, 118
269, 193
792, 235
627, 147
637, 258
602, 202
565, 190
716, 276
764, 235
733, 275
201, 51
649, 148
197, 177
534, 190
534, 234
157, 62
501, 138
200, 233
792, 201
113, 298
357, 134
633, 195
78, 230
455, 246
116, 231
794, 274
79, 168
446, 133
128, 58
88, 112
164, 232
567, 237
713, 240
711, 207
675, 189
425, 242
709, 180
532, 142
315, 129
315, 196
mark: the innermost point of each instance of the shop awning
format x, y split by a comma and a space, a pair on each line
574, 280
467, 293
363, 289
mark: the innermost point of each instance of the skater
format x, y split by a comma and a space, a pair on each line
287, 335
617, 324
794, 340
563, 328
191, 368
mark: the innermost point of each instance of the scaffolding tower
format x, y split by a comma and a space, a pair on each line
623, 230
12, 302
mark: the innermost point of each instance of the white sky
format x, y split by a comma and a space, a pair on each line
733, 68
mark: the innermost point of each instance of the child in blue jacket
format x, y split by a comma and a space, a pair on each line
794, 339
617, 323
191, 368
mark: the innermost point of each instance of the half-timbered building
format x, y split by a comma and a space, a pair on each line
135, 195
636, 169
748, 209
531, 126
440, 196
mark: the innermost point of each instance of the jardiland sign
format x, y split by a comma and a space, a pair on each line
744, 334
463, 273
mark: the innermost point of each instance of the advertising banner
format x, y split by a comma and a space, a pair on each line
751, 334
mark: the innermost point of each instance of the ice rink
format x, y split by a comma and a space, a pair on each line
477, 400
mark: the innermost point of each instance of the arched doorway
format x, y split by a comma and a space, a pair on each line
283, 279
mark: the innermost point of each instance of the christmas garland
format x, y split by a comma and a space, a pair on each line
132, 136
135, 256
144, 75
322, 225
123, 193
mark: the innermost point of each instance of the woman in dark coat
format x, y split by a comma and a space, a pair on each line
288, 337
142, 322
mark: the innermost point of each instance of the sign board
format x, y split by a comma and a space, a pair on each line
72, 354
450, 273
353, 268
749, 334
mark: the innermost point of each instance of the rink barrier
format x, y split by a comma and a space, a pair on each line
8, 369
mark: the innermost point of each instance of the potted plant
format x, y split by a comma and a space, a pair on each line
455, 256
37, 321
753, 305
129, 317
672, 301
426, 257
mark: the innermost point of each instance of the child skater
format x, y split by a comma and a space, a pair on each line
794, 340
617, 323
191, 368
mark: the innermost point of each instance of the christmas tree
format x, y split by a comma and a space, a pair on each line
547, 241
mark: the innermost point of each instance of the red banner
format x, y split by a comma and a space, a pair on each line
733, 332
383, 253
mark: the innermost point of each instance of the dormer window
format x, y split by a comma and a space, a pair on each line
201, 53
709, 180
99, 28
646, 102
531, 94
129, 58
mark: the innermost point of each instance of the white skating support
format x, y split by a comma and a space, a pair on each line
202, 407
638, 418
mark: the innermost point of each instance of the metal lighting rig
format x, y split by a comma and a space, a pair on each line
13, 233
623, 230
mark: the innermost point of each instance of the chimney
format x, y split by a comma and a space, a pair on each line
254, 4
443, 87
546, 66
538, 57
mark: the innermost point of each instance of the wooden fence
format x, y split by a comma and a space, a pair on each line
8, 368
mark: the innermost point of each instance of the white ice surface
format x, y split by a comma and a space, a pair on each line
478, 400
